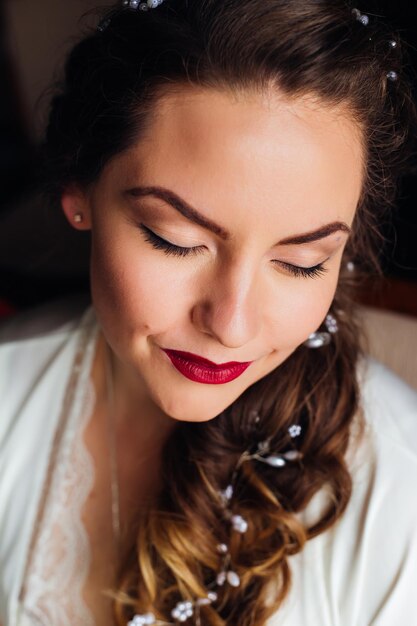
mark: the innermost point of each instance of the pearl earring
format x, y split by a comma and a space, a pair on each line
78, 218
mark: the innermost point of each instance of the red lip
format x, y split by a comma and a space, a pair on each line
202, 370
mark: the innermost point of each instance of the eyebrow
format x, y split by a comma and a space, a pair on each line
189, 212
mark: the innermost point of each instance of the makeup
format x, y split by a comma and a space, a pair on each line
202, 370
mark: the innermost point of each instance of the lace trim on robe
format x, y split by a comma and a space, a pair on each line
60, 554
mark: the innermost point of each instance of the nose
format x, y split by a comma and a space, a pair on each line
228, 307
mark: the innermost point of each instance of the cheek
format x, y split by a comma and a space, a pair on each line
300, 311
128, 284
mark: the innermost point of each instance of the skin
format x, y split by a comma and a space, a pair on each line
264, 167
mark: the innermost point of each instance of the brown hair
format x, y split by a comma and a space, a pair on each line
113, 79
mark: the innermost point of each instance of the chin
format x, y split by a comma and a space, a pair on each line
193, 416
183, 412
197, 420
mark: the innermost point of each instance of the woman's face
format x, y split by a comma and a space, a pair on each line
263, 191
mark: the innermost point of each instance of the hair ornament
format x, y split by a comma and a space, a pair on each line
104, 24
392, 43
294, 430
361, 17
319, 339
131, 4
392, 75
185, 609
142, 6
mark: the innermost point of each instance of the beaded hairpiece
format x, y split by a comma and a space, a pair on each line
131, 4
226, 575
364, 20
142, 6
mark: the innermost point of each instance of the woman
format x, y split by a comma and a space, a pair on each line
206, 442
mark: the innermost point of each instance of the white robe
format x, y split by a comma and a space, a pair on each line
362, 572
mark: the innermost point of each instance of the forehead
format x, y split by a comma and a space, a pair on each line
252, 154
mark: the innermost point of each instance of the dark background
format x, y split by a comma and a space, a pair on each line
41, 256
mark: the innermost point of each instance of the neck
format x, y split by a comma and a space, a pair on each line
135, 414
138, 431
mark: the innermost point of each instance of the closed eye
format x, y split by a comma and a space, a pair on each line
306, 272
171, 249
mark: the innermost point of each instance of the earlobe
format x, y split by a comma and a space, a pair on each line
76, 207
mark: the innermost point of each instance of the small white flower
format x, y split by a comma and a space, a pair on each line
294, 430
226, 495
212, 596
182, 611
239, 523
331, 324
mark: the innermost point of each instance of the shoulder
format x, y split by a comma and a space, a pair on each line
43, 322
31, 337
384, 461
37, 352
36, 348
380, 523
390, 408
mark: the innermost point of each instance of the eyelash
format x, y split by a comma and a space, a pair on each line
173, 250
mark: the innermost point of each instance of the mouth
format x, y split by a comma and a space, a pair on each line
202, 370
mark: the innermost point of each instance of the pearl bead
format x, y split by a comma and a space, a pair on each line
292, 455
233, 579
275, 461
212, 596
222, 548
317, 340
